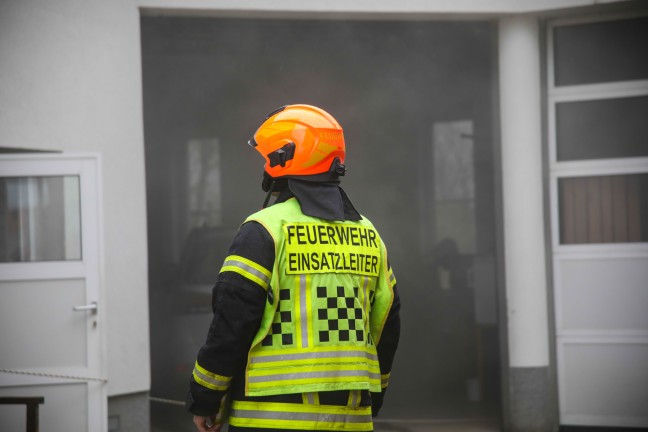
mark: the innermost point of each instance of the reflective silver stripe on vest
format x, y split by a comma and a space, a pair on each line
314, 355
300, 416
365, 289
211, 380
354, 398
303, 312
247, 268
313, 374
309, 398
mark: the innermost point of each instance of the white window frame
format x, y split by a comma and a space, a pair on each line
595, 167
569, 252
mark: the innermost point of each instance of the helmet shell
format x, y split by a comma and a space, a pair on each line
307, 139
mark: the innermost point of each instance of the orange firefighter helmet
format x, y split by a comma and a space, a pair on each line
300, 140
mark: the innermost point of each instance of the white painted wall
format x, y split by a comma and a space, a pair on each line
70, 80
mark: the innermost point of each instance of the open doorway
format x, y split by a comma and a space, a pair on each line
415, 99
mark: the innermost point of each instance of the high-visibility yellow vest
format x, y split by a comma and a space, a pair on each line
329, 294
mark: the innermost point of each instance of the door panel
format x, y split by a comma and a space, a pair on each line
589, 377
594, 297
54, 322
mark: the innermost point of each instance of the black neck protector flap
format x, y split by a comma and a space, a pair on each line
321, 200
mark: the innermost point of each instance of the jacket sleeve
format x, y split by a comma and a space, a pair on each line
387, 346
238, 301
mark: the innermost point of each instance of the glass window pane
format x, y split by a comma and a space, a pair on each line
601, 52
453, 197
601, 129
604, 209
204, 183
40, 219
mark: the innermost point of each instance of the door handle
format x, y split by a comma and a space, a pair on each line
89, 307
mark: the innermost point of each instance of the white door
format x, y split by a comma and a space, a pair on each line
51, 305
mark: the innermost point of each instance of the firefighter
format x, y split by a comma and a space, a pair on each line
306, 313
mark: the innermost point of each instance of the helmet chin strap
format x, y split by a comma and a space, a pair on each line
270, 190
267, 181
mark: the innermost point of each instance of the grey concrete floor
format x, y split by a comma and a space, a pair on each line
400, 426
171, 418
436, 426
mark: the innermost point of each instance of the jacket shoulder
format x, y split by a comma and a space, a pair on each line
275, 213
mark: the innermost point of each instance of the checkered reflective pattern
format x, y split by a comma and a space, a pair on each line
282, 329
339, 315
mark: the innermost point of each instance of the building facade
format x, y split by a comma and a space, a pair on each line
507, 139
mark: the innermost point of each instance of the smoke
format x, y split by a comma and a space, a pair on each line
389, 83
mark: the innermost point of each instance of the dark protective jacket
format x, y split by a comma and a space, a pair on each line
240, 296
